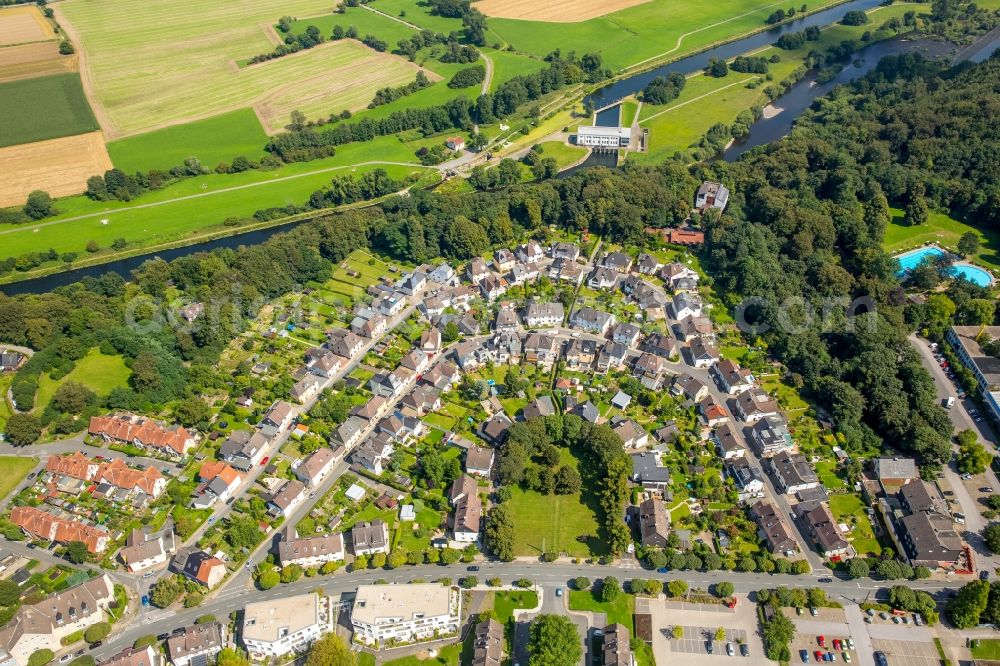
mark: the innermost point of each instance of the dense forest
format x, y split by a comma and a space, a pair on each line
805, 222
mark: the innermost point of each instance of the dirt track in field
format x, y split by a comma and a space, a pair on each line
554, 11
27, 61
19, 25
58, 166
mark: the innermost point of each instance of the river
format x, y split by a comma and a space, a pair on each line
793, 103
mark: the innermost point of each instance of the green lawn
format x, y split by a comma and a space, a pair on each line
553, 523
15, 468
66, 111
944, 230
618, 611
826, 470
986, 648
96, 371
196, 205
628, 112
504, 603
563, 153
213, 140
449, 655
847, 508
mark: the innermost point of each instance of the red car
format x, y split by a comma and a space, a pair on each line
819, 655
821, 640
264, 460
836, 643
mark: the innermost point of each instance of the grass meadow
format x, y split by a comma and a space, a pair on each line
944, 230
196, 205
15, 468
66, 111
98, 372
212, 140
633, 35
563, 153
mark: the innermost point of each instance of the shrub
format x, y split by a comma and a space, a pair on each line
97, 632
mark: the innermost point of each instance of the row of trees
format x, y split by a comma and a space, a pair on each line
392, 93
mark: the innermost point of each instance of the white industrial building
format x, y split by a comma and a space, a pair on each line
603, 137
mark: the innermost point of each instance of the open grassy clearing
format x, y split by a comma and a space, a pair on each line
555, 11
636, 34
15, 468
212, 140
61, 95
157, 64
418, 13
620, 610
366, 22
706, 101
98, 372
58, 166
507, 65
553, 523
196, 205
944, 230
27, 61
563, 153
986, 648
23, 24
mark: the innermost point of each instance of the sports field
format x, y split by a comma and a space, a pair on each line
23, 24
26, 61
66, 111
194, 206
213, 140
658, 28
152, 65
58, 166
553, 11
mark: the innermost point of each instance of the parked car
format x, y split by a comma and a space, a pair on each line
66, 657
730, 650
804, 656
663, 570
472, 568
819, 655
871, 612
145, 600
850, 643
821, 640
558, 591
813, 611
836, 643
263, 461
832, 656
162, 637
826, 580
708, 647
986, 489
744, 650
918, 619
880, 659
847, 657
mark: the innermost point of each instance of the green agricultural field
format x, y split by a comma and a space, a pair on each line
706, 101
15, 468
944, 230
98, 372
367, 23
213, 140
564, 154
66, 111
193, 206
418, 13
553, 523
507, 65
166, 63
660, 28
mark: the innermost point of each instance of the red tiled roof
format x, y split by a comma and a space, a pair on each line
129, 428
75, 465
45, 525
213, 468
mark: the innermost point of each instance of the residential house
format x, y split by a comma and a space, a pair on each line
416, 361
617, 646
318, 465
219, 481
772, 528
479, 461
822, 528
350, 432
612, 356
602, 278
199, 566
894, 473
702, 353
306, 388
171, 441
654, 524
619, 262
650, 368
146, 548
493, 287
566, 251
10, 360
711, 195
506, 321
282, 626
540, 406
405, 613
668, 434
328, 364
580, 353
487, 645
690, 328
196, 644
370, 538
345, 343
647, 264
566, 271
311, 551
746, 476
505, 347
711, 412
754, 405
731, 377
288, 498
495, 428
39, 524
522, 273
389, 384
131, 656
686, 305
689, 237
626, 334
503, 261
423, 399
727, 444
430, 341
648, 472
371, 327
690, 388
530, 253
442, 274
374, 454
674, 274
413, 282
792, 472
770, 435
243, 449
476, 270
402, 428
541, 350
466, 519
539, 315
442, 376
632, 434
661, 345
279, 415
43, 625
389, 304
587, 411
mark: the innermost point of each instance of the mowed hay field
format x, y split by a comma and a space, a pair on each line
43, 108
20, 25
58, 166
326, 79
26, 61
151, 65
554, 11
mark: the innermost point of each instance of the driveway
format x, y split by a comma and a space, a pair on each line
550, 605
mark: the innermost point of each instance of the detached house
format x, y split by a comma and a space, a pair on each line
686, 305
792, 472
492, 287
661, 345
731, 377
279, 415
243, 450
602, 278
654, 525
580, 352
770, 435
370, 538
773, 529
306, 388
350, 432
711, 195
747, 477
541, 350
318, 465
690, 388
702, 353
423, 399
727, 444
626, 334
476, 270
690, 328
466, 520
632, 434
674, 274
375, 453
145, 548
752, 406
711, 412
612, 356
567, 251
647, 264
530, 253
619, 262
199, 566
311, 551
196, 644
479, 461
503, 261
345, 343
822, 528
288, 498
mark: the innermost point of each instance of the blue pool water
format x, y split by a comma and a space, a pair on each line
910, 260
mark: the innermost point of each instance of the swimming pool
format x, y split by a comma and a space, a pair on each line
910, 260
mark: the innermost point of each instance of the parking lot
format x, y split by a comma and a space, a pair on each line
700, 622
698, 639
810, 643
908, 652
